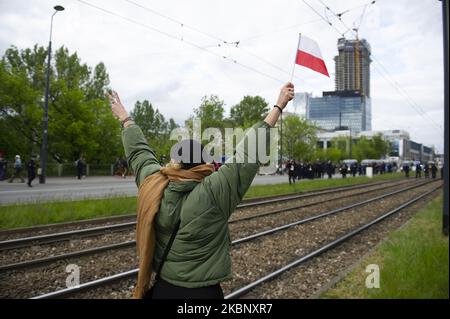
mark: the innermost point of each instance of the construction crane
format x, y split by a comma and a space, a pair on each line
357, 54
357, 62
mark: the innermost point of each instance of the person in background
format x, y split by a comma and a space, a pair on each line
3, 167
117, 168
433, 170
354, 168
31, 168
406, 169
124, 165
291, 171
426, 170
80, 167
418, 170
330, 169
344, 170
297, 170
17, 170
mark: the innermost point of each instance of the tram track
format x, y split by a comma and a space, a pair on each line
130, 274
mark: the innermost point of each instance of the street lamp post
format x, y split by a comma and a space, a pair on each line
43, 155
446, 124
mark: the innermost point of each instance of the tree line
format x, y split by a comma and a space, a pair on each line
81, 123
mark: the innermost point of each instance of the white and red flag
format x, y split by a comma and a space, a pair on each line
309, 55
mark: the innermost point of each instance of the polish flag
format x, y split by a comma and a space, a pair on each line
308, 55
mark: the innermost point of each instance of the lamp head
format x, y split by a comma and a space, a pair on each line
58, 8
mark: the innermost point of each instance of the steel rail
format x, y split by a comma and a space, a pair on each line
244, 290
50, 259
100, 220
127, 244
133, 272
281, 210
61, 236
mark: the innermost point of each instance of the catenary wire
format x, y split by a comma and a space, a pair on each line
192, 44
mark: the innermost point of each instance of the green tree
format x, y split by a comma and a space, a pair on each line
374, 148
299, 138
250, 110
155, 127
210, 112
80, 121
335, 155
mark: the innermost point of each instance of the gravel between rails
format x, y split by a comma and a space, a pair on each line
55, 249
238, 230
288, 245
77, 225
241, 213
313, 277
247, 227
282, 248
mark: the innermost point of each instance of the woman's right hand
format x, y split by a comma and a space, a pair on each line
116, 106
286, 94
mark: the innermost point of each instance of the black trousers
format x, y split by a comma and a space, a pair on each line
165, 290
291, 178
31, 177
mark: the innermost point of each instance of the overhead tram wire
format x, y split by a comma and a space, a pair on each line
408, 99
179, 39
357, 7
221, 41
173, 20
323, 18
393, 83
264, 34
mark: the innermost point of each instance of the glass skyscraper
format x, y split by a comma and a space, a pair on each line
339, 109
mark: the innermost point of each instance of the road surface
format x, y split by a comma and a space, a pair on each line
63, 188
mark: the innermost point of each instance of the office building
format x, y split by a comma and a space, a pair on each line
353, 66
402, 147
341, 109
301, 103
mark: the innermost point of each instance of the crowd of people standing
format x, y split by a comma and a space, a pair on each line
298, 170
428, 169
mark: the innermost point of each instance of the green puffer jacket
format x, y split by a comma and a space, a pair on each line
200, 252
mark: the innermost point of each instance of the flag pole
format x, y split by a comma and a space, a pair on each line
295, 57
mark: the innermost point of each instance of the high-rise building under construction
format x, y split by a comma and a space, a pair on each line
353, 66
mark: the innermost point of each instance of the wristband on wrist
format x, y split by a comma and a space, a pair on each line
128, 118
281, 110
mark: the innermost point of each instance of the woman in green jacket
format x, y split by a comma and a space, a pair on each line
194, 204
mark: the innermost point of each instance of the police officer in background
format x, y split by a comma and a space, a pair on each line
31, 168
291, 171
330, 169
418, 170
433, 170
406, 170
3, 167
344, 170
426, 170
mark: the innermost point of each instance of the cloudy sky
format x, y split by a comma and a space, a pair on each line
174, 52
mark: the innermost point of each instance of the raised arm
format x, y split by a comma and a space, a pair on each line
141, 158
230, 183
